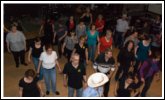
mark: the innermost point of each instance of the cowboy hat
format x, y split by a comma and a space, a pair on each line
97, 79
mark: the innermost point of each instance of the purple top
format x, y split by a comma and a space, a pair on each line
149, 68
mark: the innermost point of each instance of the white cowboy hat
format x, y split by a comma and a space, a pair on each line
97, 79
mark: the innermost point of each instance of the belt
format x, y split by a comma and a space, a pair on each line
50, 68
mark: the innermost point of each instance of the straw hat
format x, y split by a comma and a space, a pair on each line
97, 79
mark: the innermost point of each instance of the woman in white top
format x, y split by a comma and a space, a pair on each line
48, 59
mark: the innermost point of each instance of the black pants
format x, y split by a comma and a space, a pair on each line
121, 69
147, 85
60, 43
118, 39
68, 53
48, 39
19, 56
106, 89
136, 70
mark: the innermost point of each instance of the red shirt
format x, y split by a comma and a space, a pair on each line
71, 25
100, 24
104, 44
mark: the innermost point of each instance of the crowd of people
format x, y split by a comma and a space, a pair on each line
89, 41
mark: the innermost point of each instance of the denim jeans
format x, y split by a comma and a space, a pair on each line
106, 89
71, 92
50, 76
35, 62
59, 47
91, 50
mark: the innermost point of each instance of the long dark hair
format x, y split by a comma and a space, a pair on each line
127, 43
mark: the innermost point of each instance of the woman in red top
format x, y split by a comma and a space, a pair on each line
105, 42
100, 24
71, 24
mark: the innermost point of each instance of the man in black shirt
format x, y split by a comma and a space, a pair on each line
104, 63
76, 74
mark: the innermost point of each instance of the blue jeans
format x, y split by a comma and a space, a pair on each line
78, 92
91, 52
35, 62
50, 76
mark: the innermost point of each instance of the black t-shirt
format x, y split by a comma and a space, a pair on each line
81, 51
36, 52
75, 76
101, 61
126, 92
30, 89
125, 57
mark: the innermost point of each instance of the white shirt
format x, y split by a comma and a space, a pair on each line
122, 25
48, 61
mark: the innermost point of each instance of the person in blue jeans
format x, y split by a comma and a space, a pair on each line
75, 73
49, 61
92, 39
34, 52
